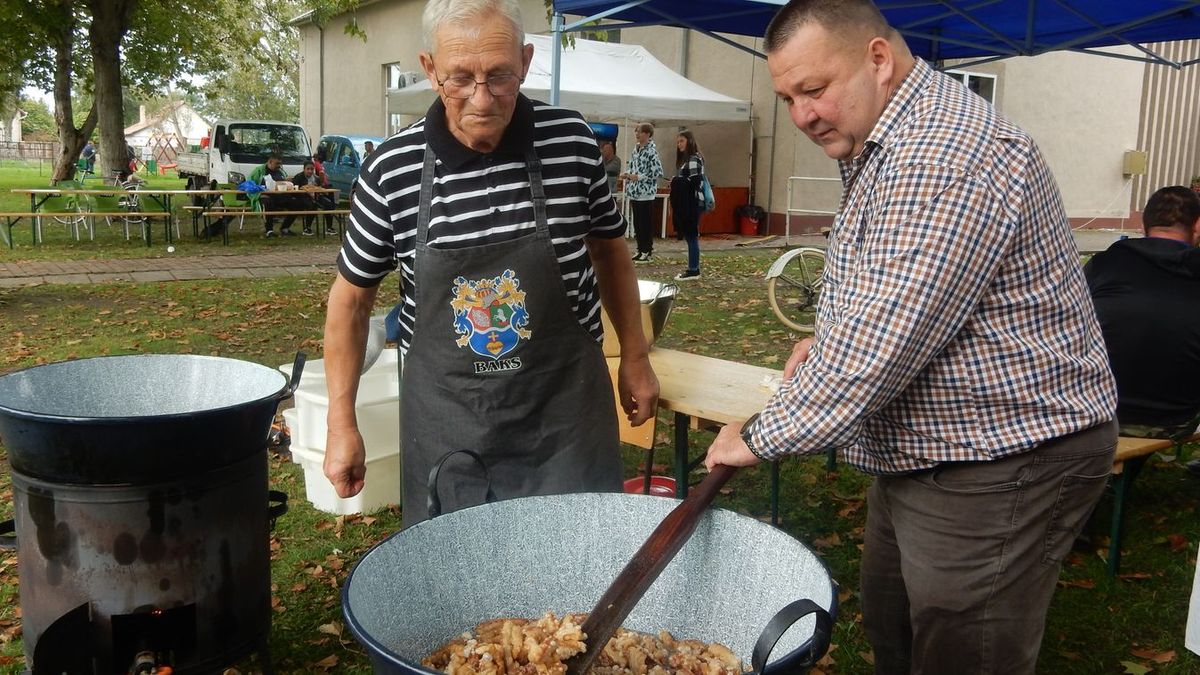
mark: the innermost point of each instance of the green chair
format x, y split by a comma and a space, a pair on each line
115, 203
65, 210
234, 203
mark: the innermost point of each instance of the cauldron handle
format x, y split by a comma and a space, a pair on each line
803, 657
297, 370
434, 503
8, 534
277, 505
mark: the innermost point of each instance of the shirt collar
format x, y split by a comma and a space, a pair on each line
897, 108
517, 137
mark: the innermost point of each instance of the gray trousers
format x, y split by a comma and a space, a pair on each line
959, 562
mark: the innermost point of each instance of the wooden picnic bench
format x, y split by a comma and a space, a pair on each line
12, 218
338, 214
1131, 454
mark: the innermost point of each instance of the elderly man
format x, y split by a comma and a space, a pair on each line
497, 211
1145, 292
956, 355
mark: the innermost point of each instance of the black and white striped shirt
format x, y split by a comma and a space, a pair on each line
481, 199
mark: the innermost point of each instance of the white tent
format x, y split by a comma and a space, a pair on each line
606, 82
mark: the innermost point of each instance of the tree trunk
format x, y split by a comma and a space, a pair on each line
110, 22
71, 140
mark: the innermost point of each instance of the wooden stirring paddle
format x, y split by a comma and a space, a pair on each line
649, 561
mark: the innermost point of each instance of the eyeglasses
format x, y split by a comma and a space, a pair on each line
461, 86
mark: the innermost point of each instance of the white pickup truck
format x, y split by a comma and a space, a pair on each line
238, 146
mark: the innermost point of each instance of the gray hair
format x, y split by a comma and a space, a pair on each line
440, 12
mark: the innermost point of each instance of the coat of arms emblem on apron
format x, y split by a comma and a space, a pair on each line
490, 315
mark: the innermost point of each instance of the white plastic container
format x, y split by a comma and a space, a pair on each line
293, 427
378, 422
377, 406
382, 485
386, 367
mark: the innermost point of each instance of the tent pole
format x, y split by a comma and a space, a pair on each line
556, 34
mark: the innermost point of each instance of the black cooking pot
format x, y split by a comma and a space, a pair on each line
737, 581
138, 419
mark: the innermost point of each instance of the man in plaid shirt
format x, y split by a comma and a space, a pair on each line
956, 355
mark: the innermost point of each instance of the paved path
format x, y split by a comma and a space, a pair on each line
309, 259
169, 268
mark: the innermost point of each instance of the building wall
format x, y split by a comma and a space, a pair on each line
1082, 110
353, 93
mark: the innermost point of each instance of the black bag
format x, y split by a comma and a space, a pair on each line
683, 201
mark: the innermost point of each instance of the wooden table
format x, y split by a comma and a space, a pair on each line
161, 197
707, 391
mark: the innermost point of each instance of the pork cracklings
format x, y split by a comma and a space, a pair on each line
525, 647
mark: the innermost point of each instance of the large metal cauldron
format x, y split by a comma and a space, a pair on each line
141, 508
524, 557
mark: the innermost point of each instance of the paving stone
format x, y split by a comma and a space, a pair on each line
16, 282
109, 277
68, 279
231, 273
154, 275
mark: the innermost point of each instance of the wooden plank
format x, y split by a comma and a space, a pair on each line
1129, 447
712, 389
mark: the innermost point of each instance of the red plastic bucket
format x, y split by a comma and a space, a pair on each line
660, 486
748, 227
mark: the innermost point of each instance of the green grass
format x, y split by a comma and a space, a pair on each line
1095, 625
110, 242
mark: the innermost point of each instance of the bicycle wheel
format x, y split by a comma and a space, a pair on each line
130, 203
794, 292
69, 218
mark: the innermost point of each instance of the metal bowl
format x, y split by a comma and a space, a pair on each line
137, 418
524, 557
656, 299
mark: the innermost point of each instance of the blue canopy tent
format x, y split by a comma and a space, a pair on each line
938, 29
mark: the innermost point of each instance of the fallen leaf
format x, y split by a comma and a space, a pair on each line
828, 542
1133, 668
1155, 656
327, 662
331, 628
1135, 575
1177, 542
1081, 583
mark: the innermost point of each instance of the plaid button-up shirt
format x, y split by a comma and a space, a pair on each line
954, 322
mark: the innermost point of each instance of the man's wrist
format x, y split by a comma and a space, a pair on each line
747, 436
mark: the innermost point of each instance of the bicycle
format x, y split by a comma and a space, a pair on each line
794, 286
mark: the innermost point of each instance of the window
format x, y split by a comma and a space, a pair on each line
398, 77
251, 143
980, 83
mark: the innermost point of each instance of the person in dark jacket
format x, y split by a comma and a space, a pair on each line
1145, 291
687, 199
308, 180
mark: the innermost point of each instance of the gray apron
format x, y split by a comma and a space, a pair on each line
499, 365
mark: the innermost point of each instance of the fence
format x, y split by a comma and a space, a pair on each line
29, 150
792, 184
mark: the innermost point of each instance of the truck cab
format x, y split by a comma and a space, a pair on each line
238, 146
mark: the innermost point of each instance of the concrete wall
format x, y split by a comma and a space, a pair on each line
354, 76
1083, 111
